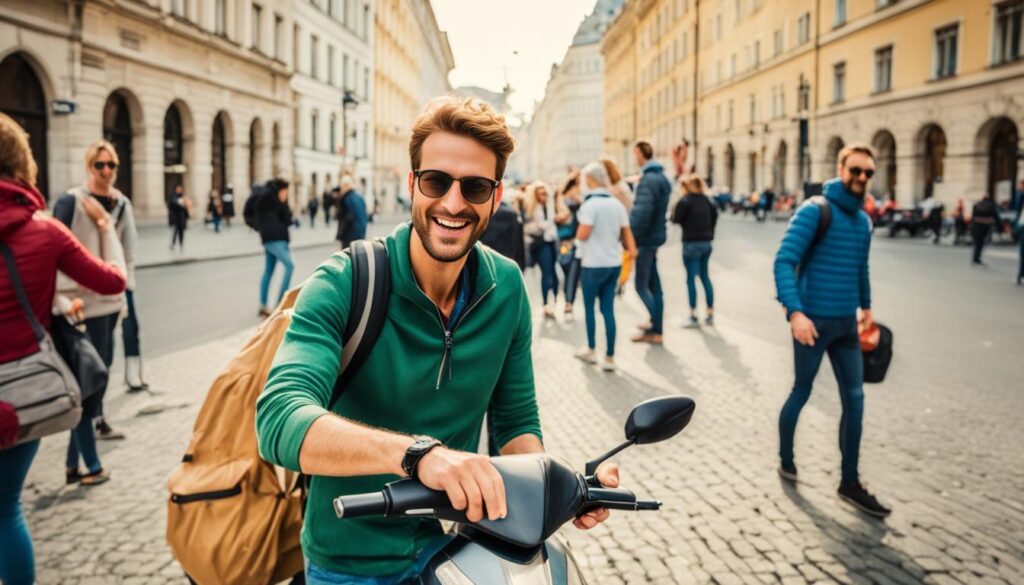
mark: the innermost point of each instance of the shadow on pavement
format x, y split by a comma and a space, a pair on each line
728, 355
863, 547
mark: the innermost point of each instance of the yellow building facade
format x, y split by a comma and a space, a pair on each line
936, 86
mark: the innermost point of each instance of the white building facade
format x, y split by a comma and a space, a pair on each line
333, 85
191, 93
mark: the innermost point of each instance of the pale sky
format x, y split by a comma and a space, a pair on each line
485, 36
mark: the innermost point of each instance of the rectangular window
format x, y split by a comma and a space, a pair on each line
314, 121
314, 61
729, 116
278, 37
778, 42
884, 3
332, 76
840, 13
883, 69
753, 109
945, 51
757, 53
220, 17
1007, 34
296, 45
334, 129
344, 72
179, 8
366, 83
839, 82
257, 25
732, 65
803, 28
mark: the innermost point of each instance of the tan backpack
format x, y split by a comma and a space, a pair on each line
232, 517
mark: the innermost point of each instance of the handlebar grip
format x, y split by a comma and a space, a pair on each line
618, 495
374, 504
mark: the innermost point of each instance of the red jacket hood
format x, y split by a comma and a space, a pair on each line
17, 205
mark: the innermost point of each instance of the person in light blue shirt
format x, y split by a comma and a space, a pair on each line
603, 232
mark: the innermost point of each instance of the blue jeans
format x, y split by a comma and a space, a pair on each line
571, 269
695, 259
17, 561
600, 283
648, 285
546, 253
838, 337
316, 575
83, 437
274, 252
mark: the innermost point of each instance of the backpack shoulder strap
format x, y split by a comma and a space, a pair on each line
824, 222
368, 309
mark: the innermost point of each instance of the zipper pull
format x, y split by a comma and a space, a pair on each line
448, 343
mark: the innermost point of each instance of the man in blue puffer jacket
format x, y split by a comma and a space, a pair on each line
821, 301
647, 220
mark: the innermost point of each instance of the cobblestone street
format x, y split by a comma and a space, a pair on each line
952, 475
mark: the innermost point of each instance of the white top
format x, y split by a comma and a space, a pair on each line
607, 215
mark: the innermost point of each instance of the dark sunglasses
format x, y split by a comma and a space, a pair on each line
859, 171
109, 164
436, 184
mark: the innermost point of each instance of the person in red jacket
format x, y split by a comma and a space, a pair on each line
40, 246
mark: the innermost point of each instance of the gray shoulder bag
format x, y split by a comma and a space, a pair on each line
40, 387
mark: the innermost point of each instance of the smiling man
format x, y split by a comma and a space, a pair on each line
456, 343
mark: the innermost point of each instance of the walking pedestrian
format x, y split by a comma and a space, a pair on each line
984, 220
215, 210
570, 199
541, 233
101, 312
40, 246
603, 233
352, 218
647, 220
273, 218
311, 208
227, 200
931, 212
328, 205
821, 287
697, 215
179, 206
504, 234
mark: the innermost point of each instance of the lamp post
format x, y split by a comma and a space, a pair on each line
346, 101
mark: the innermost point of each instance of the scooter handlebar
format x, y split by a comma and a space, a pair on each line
355, 506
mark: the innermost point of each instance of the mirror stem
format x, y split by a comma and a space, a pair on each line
593, 465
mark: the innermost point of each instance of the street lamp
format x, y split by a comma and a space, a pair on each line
346, 100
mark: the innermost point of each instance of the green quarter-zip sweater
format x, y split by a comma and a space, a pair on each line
422, 377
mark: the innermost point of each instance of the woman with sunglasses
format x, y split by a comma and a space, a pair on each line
100, 311
40, 246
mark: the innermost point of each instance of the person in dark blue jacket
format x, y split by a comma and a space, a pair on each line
352, 216
647, 220
821, 286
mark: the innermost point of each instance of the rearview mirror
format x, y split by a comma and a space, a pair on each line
658, 419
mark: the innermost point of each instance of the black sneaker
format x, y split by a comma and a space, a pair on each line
105, 433
788, 472
853, 493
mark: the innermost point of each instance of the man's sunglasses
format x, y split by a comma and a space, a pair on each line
859, 171
436, 184
109, 164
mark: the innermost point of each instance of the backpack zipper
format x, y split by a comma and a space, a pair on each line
449, 343
202, 496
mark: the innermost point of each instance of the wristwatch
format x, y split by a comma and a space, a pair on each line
416, 451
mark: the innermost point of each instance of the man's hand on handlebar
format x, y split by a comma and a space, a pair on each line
470, 480
608, 474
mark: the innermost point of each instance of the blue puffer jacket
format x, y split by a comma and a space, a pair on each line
834, 282
647, 219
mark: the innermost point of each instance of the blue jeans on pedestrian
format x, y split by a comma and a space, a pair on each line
83, 437
316, 575
274, 252
695, 259
838, 337
17, 561
648, 286
546, 254
599, 284
571, 270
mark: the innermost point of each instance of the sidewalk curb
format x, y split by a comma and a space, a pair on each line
231, 256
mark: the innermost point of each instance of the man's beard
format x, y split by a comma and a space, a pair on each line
422, 224
849, 189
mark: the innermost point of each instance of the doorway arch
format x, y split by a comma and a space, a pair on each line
1001, 138
730, 168
932, 148
120, 113
884, 145
24, 100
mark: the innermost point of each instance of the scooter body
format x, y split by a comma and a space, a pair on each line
542, 493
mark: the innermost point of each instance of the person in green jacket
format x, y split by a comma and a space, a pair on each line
455, 345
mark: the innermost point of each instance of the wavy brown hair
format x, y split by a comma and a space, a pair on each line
16, 162
467, 117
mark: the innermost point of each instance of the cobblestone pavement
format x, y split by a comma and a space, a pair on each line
727, 518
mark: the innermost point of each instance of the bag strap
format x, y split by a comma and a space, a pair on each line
824, 222
19, 290
368, 308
